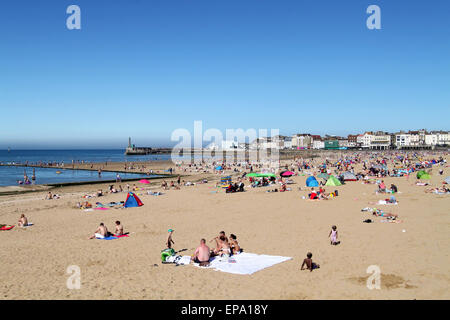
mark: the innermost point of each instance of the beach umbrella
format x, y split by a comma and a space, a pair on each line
252, 175
265, 175
287, 174
144, 181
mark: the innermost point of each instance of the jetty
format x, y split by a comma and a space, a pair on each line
133, 150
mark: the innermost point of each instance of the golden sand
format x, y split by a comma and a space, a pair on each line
413, 255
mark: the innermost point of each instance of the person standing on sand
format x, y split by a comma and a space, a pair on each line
169, 239
333, 235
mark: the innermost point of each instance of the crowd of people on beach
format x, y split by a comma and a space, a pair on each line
376, 167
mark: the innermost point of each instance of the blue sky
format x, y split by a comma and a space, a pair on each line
145, 68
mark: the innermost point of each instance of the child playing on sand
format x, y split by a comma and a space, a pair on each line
169, 239
333, 235
310, 265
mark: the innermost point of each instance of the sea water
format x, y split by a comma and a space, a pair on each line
10, 175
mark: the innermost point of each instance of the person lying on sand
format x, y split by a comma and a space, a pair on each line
119, 229
202, 254
23, 221
310, 265
101, 232
381, 213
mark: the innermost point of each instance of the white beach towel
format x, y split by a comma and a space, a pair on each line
244, 263
387, 203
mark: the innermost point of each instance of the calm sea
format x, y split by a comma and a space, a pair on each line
10, 175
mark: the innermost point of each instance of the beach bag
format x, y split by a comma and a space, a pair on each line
166, 254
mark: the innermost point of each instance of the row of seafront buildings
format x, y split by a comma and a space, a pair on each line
420, 139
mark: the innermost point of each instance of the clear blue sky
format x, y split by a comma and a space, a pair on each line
145, 68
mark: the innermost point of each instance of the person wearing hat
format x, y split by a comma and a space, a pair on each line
169, 239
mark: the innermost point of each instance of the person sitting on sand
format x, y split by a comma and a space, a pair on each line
234, 245
313, 195
382, 187
310, 265
49, 196
99, 193
201, 254
221, 233
101, 232
223, 247
23, 221
119, 229
169, 241
394, 188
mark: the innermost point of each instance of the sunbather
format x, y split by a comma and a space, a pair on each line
23, 221
234, 245
201, 254
101, 232
119, 229
310, 265
222, 247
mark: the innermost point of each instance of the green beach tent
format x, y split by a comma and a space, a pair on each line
425, 176
333, 181
421, 173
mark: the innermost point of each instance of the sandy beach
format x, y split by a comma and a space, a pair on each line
412, 255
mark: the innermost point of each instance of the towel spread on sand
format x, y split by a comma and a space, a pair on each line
112, 237
244, 263
387, 203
